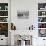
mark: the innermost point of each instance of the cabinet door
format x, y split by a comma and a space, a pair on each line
41, 41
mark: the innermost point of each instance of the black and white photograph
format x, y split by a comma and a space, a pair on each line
22, 14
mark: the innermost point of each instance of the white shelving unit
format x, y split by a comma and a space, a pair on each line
4, 18
42, 18
4, 23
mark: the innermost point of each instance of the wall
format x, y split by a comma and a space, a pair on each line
25, 5
21, 24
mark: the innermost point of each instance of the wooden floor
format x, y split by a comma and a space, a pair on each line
3, 45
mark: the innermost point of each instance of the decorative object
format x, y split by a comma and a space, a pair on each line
23, 40
42, 32
3, 19
42, 25
3, 6
41, 19
13, 27
31, 27
6, 7
23, 14
41, 6
43, 13
4, 29
3, 13
26, 38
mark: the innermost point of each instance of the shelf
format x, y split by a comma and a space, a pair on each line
41, 28
3, 22
42, 16
41, 22
3, 10
3, 16
41, 10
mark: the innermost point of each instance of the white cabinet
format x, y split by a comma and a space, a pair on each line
3, 40
41, 41
42, 24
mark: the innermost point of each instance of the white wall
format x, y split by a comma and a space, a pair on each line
29, 5
24, 5
21, 24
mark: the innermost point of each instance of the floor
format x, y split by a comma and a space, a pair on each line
3, 45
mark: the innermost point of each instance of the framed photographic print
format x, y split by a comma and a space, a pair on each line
22, 14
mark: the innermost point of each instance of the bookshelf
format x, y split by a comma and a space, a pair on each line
42, 19
4, 19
